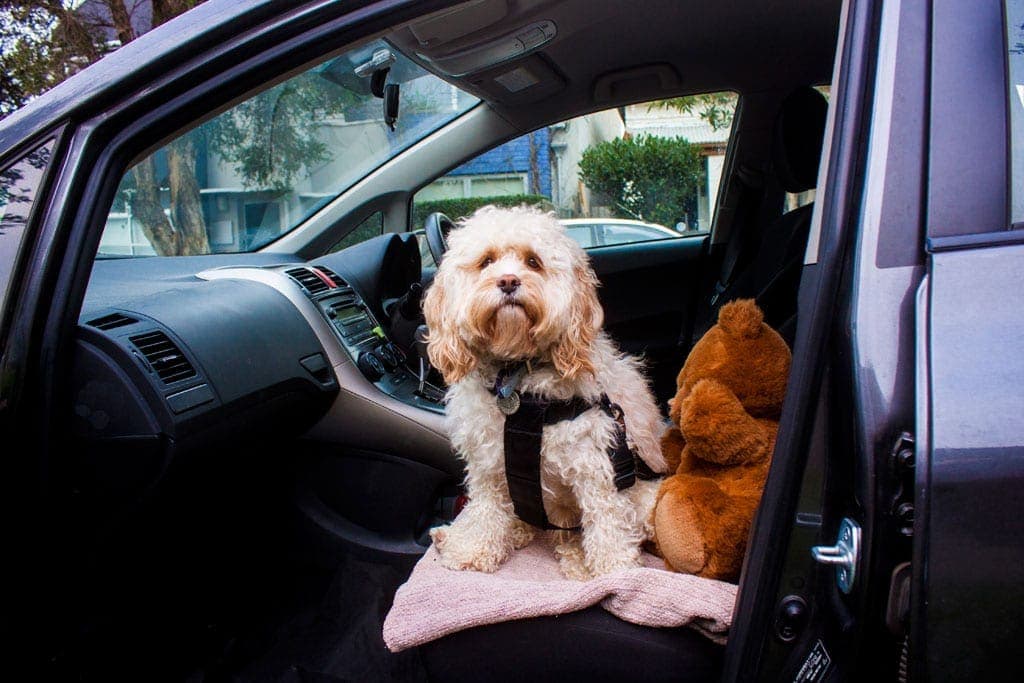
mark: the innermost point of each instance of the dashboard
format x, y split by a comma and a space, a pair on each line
175, 354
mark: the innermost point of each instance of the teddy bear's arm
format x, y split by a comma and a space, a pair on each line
718, 429
672, 443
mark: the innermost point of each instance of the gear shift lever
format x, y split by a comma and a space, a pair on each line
405, 315
420, 342
425, 388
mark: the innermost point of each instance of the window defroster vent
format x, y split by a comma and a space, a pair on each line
163, 356
109, 322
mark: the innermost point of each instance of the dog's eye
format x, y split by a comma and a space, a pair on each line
533, 263
486, 261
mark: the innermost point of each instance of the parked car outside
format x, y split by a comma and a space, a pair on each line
606, 232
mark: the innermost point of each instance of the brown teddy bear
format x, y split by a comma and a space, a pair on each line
725, 416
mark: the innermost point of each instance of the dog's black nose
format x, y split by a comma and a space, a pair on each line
508, 283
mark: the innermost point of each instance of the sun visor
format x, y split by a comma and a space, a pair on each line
519, 82
460, 21
510, 46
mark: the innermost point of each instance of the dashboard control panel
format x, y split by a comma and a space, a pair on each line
379, 359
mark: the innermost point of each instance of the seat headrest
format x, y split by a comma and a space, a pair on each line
796, 147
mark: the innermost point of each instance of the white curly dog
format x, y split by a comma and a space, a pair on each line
514, 286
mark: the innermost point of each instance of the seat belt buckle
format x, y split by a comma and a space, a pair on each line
719, 290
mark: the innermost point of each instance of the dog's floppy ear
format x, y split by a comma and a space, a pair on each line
571, 354
445, 347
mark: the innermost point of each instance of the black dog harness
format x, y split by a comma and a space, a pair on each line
525, 417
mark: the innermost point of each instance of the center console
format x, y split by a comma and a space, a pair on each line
378, 358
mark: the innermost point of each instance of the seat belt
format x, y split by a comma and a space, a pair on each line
761, 199
751, 182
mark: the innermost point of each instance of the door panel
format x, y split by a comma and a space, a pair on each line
649, 291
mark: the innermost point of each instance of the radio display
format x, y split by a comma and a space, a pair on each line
348, 314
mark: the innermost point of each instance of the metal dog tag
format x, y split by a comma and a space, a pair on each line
508, 404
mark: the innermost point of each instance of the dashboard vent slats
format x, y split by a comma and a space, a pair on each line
308, 280
332, 276
109, 322
163, 356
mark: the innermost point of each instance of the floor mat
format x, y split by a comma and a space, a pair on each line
333, 638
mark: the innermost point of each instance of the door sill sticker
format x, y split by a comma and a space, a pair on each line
815, 666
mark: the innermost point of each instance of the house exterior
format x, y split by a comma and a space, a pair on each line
520, 166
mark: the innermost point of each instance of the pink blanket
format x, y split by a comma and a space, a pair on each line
435, 601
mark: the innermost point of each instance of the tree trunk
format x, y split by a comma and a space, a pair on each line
186, 201
149, 211
534, 164
122, 21
164, 10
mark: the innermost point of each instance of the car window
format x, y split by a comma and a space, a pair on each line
19, 183
242, 179
371, 226
643, 172
624, 234
584, 234
1015, 62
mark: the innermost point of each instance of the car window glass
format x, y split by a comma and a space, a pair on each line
372, 226
19, 183
254, 172
1015, 62
624, 234
644, 172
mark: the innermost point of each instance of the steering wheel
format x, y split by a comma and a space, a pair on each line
436, 228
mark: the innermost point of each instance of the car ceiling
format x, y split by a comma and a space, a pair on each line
611, 53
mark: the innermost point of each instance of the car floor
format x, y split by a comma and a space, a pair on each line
218, 577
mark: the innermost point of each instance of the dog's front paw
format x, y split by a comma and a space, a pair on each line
599, 563
571, 561
522, 534
480, 559
463, 548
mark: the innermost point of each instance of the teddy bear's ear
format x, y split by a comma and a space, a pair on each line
741, 318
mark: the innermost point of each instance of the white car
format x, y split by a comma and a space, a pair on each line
605, 232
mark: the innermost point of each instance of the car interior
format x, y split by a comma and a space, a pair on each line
258, 439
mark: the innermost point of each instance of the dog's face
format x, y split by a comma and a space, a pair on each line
512, 286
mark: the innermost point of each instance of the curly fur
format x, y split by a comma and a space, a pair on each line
553, 318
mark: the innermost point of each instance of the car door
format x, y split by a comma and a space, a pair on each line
826, 576
968, 557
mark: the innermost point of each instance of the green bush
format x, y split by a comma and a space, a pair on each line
647, 177
464, 206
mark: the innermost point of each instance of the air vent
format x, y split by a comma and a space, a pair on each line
308, 280
165, 358
109, 322
332, 276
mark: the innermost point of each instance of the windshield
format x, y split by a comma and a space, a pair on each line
253, 173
